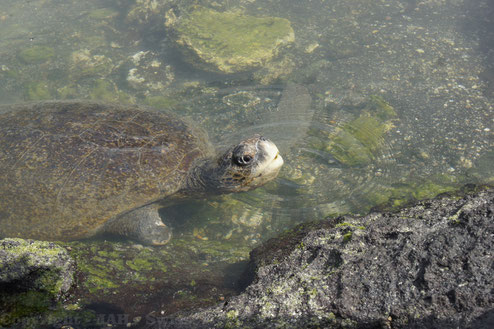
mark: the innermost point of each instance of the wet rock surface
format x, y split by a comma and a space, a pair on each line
22, 259
230, 42
33, 275
427, 266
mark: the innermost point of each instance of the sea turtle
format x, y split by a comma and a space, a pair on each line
72, 169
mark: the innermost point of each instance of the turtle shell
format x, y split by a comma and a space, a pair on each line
66, 167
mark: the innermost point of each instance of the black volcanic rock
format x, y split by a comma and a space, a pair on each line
428, 266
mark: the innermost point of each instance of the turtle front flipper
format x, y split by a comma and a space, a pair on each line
142, 224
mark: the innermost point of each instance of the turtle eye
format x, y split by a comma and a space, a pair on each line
243, 160
246, 159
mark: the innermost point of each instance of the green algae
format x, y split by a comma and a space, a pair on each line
378, 196
83, 64
41, 248
97, 267
36, 91
348, 150
21, 305
111, 271
28, 255
399, 195
104, 90
67, 92
351, 225
347, 236
33, 308
382, 109
232, 320
278, 69
138, 264
102, 13
9, 73
348, 229
36, 54
367, 130
225, 251
428, 189
35, 275
357, 142
431, 189
230, 41
108, 267
160, 102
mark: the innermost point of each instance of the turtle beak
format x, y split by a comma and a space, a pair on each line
272, 160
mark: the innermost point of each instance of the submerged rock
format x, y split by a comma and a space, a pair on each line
33, 275
427, 266
36, 54
48, 265
230, 42
84, 64
37, 90
148, 73
356, 142
188, 272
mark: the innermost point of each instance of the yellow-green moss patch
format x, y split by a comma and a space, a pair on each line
36, 54
230, 41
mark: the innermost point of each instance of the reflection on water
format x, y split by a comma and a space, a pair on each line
373, 103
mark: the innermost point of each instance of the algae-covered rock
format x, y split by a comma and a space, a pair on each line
395, 197
36, 54
48, 265
160, 102
142, 10
106, 91
149, 73
230, 42
356, 142
38, 90
33, 276
188, 271
277, 69
102, 13
85, 64
427, 266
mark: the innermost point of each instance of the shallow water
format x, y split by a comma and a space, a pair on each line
393, 102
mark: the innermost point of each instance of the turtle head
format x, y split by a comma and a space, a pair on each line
247, 165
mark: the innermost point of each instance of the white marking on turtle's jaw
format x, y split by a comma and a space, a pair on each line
269, 168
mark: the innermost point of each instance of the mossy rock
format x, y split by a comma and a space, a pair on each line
430, 189
36, 54
230, 42
84, 64
104, 90
160, 102
50, 264
396, 197
102, 14
119, 273
36, 91
186, 272
347, 149
357, 142
33, 277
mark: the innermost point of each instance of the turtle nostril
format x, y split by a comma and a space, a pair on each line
262, 138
